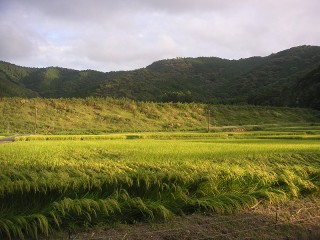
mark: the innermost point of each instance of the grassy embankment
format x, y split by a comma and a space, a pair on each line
71, 183
99, 116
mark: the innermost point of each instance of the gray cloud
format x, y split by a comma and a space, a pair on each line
128, 34
16, 44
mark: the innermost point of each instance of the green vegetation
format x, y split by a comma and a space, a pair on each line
307, 91
10, 81
68, 181
100, 115
274, 80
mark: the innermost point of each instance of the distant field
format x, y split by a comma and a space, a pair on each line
66, 182
299, 134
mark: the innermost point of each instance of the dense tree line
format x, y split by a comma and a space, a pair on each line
287, 78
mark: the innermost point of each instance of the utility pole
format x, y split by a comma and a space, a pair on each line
35, 120
208, 120
8, 127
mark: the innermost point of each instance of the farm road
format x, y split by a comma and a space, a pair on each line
11, 138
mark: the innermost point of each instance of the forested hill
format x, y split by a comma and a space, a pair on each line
282, 79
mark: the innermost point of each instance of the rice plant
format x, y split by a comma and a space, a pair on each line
67, 182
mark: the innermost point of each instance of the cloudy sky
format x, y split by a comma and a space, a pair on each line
110, 35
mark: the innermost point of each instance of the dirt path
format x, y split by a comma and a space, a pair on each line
7, 139
11, 138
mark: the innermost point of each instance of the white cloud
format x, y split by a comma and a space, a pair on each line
128, 34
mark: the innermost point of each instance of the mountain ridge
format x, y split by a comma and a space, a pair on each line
271, 80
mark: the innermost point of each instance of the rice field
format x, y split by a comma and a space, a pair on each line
53, 182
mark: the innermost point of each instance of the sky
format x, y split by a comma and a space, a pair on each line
112, 35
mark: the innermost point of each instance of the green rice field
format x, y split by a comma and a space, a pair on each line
58, 182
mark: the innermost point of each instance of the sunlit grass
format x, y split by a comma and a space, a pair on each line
74, 181
107, 115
